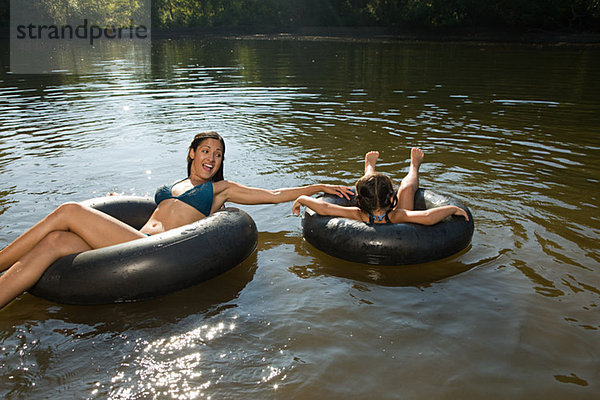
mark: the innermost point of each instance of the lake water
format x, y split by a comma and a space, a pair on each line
513, 130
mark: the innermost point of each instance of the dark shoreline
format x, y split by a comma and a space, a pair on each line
377, 34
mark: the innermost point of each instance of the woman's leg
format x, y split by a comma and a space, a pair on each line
96, 228
24, 273
370, 162
410, 183
71, 228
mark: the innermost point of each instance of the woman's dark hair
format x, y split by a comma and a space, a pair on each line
374, 192
198, 139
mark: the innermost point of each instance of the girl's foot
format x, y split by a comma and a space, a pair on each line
416, 157
370, 161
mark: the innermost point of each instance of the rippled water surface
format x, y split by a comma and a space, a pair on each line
513, 130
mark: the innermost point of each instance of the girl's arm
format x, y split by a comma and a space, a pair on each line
427, 217
236, 193
323, 208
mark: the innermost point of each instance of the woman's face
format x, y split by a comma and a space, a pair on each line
207, 158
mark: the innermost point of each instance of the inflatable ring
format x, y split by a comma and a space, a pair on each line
390, 244
153, 266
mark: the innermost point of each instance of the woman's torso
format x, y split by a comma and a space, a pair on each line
180, 204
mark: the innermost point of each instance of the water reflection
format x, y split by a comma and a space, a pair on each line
124, 329
419, 275
212, 355
173, 376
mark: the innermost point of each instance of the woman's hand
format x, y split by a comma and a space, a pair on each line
296, 206
338, 190
460, 212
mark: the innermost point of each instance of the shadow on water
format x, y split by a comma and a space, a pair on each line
320, 264
205, 299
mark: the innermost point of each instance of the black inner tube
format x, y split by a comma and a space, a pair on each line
152, 266
390, 244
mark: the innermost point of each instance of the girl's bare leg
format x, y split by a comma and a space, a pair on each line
410, 183
370, 161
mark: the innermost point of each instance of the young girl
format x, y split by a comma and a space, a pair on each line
375, 199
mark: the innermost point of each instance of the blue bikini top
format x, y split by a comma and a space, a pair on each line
200, 197
380, 218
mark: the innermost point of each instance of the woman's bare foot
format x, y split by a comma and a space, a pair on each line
370, 161
416, 157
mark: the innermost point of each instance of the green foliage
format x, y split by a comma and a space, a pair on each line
280, 14
4, 13
523, 14
289, 14
60, 12
257, 13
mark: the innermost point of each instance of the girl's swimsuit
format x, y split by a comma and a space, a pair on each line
379, 218
200, 197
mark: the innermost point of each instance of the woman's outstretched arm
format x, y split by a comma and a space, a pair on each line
237, 193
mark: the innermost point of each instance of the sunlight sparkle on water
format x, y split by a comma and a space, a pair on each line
167, 368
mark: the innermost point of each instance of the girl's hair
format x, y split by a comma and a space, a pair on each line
374, 192
198, 139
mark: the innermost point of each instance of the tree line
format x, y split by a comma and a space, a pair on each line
422, 14
285, 15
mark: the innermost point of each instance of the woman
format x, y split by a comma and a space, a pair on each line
377, 202
74, 228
